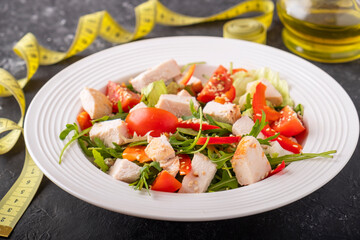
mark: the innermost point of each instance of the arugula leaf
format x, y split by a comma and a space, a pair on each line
211, 121
152, 92
187, 131
120, 107
65, 133
102, 119
99, 160
216, 132
189, 90
194, 113
219, 157
120, 115
299, 109
144, 142
266, 141
104, 149
225, 183
68, 129
148, 174
297, 157
130, 87
189, 148
258, 126
83, 146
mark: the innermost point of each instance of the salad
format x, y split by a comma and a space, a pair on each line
167, 131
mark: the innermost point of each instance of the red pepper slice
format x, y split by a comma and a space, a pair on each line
239, 70
279, 168
196, 126
219, 140
259, 105
229, 96
185, 164
188, 75
284, 142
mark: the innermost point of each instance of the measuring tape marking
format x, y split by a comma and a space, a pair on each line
18, 198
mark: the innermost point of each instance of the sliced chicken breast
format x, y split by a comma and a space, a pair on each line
159, 149
177, 105
271, 93
184, 93
275, 150
125, 171
227, 113
200, 176
249, 161
110, 131
139, 105
164, 71
95, 103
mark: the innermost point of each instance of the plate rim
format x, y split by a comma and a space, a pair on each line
94, 55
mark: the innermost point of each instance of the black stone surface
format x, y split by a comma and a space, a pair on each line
332, 212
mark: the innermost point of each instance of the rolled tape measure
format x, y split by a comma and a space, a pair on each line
90, 26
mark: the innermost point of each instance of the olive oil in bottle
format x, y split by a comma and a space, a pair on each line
321, 30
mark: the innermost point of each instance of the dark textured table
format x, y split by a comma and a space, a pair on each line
332, 212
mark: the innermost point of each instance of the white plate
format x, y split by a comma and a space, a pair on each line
329, 114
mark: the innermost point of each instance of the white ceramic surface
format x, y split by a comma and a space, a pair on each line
330, 115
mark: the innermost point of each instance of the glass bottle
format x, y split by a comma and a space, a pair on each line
321, 30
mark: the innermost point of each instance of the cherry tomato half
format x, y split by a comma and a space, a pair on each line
115, 92
84, 120
157, 120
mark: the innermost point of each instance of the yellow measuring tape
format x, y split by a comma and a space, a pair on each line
90, 26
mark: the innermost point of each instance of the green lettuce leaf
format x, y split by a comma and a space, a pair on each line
280, 85
152, 93
241, 79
